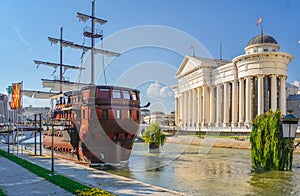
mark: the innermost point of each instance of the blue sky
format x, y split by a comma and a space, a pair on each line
26, 25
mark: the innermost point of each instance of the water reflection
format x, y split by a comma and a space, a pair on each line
221, 171
281, 183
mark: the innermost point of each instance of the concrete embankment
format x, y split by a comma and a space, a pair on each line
236, 143
239, 143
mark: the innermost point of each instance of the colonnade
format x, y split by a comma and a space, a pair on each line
232, 103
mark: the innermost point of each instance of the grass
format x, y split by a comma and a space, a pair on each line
59, 180
2, 193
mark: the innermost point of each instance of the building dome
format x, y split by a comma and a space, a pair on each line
260, 39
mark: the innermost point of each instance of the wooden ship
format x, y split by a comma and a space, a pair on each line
97, 124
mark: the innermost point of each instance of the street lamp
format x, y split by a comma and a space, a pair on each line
289, 126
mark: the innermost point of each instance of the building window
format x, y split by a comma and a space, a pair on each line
255, 50
266, 50
116, 94
126, 95
105, 114
118, 114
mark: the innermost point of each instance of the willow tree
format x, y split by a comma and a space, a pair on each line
269, 150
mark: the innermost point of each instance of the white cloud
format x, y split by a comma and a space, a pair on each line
158, 91
22, 38
165, 92
153, 90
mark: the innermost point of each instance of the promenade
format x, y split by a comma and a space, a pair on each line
16, 180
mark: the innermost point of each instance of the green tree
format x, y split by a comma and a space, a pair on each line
269, 150
154, 135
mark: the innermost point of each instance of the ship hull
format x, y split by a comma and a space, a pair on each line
100, 124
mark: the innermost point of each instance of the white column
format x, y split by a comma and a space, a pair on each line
282, 94
204, 108
273, 92
190, 104
226, 110
248, 102
200, 106
185, 106
176, 110
241, 102
260, 98
219, 103
234, 104
212, 106
180, 110
195, 106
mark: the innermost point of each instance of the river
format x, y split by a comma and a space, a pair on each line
198, 170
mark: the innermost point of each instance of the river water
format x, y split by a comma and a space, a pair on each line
198, 170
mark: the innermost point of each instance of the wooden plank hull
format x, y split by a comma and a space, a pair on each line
101, 124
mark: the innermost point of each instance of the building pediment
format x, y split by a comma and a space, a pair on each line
190, 64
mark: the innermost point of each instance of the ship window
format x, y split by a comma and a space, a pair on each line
133, 95
126, 95
104, 93
105, 114
129, 114
116, 94
118, 114
83, 114
137, 115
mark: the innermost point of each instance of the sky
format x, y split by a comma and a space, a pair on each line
152, 36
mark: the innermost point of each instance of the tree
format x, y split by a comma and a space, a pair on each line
269, 150
154, 136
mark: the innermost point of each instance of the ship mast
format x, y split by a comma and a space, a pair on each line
88, 32
60, 65
92, 34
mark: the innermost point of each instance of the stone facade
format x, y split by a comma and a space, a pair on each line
221, 93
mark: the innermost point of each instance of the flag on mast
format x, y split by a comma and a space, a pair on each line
193, 47
259, 21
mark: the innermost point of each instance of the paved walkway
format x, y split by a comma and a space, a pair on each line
15, 180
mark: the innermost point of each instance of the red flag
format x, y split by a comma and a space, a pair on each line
258, 21
192, 46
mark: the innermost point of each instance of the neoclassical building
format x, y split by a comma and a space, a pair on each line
222, 93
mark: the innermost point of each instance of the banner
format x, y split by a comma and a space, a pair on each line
16, 96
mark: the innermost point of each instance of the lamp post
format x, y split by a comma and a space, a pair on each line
52, 150
289, 126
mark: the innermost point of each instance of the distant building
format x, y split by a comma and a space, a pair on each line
221, 93
28, 112
161, 118
291, 89
3, 108
293, 104
144, 113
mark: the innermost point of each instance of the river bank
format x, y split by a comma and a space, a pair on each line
242, 142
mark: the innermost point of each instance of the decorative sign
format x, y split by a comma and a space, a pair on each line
16, 96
